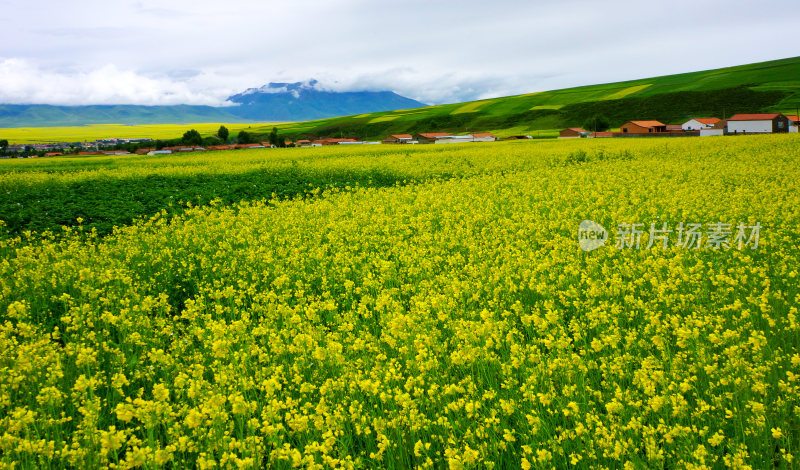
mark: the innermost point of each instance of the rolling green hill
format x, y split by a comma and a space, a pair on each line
765, 86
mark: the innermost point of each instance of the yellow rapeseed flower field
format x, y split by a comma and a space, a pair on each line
452, 321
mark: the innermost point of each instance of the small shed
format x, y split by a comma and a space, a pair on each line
398, 139
643, 127
573, 133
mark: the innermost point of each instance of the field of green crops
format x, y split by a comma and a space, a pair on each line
403, 307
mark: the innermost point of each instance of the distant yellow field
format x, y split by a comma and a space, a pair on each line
472, 107
626, 92
26, 135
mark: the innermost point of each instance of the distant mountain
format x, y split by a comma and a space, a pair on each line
299, 101
42, 115
303, 101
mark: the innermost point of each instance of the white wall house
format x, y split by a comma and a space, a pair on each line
758, 123
697, 124
454, 139
711, 132
483, 137
794, 123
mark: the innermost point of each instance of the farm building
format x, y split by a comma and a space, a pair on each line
573, 133
454, 139
673, 128
697, 124
600, 134
483, 137
794, 123
398, 139
334, 141
430, 137
766, 123
643, 127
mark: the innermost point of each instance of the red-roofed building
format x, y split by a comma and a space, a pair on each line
483, 137
643, 127
53, 154
699, 123
398, 139
794, 123
333, 141
430, 137
760, 123
573, 133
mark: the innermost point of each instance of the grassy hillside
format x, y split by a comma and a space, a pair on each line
765, 86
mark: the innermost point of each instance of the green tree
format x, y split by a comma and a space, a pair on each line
597, 123
244, 137
3, 144
160, 144
273, 137
223, 133
192, 137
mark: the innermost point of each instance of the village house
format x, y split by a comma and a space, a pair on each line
643, 127
483, 137
430, 137
398, 139
333, 141
764, 123
573, 133
697, 124
794, 123
454, 139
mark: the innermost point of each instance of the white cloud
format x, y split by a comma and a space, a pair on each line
183, 51
22, 82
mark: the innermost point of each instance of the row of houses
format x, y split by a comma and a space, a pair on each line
438, 138
421, 138
761, 123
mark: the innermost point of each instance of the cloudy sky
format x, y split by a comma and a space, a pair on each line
200, 52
